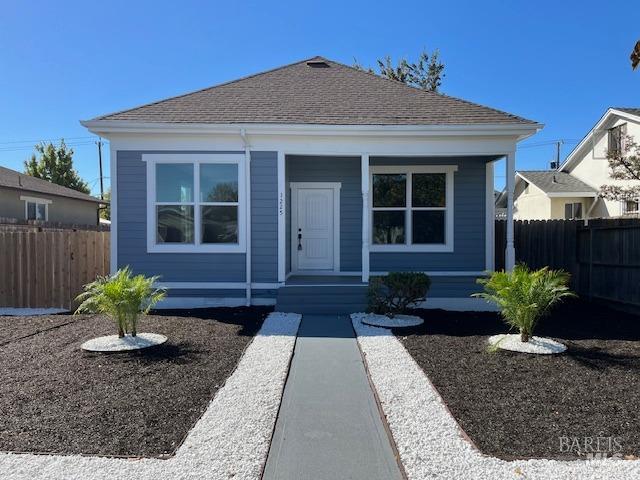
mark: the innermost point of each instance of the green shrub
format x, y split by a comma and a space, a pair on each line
525, 296
122, 297
392, 294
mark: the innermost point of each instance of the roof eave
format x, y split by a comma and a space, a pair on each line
519, 130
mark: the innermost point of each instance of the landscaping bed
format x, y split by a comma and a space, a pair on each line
517, 405
55, 398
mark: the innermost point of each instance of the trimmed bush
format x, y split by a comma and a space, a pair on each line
394, 293
524, 296
122, 296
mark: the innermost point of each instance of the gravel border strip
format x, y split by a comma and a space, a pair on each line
428, 437
231, 439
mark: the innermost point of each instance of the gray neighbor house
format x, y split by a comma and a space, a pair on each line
25, 198
293, 187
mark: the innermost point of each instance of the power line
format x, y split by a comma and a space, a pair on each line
48, 140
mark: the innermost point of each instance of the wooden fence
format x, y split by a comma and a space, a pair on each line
47, 268
603, 256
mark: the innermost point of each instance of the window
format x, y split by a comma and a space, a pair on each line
195, 203
572, 211
630, 207
616, 139
36, 208
412, 208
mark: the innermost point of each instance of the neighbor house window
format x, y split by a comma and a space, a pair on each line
36, 208
412, 208
616, 139
196, 203
630, 207
572, 211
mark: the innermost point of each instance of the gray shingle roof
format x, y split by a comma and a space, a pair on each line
632, 111
12, 179
551, 181
302, 94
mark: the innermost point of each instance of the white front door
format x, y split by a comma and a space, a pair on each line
314, 225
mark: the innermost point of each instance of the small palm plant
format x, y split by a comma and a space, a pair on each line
122, 296
525, 296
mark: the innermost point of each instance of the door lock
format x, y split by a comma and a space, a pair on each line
299, 239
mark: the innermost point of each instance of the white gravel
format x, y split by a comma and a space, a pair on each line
114, 343
429, 440
230, 441
536, 345
398, 321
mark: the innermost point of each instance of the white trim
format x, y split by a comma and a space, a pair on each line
490, 221
248, 216
113, 184
408, 170
572, 194
35, 199
209, 302
295, 188
196, 160
366, 220
218, 285
282, 216
115, 126
459, 304
324, 273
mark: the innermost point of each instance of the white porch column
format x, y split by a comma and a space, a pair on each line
364, 172
510, 251
281, 218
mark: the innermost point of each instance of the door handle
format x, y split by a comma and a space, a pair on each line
299, 239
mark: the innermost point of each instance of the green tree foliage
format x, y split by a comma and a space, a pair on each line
624, 164
105, 212
122, 297
394, 293
55, 164
427, 73
525, 296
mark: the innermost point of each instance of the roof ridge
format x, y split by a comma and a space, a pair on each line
228, 82
431, 92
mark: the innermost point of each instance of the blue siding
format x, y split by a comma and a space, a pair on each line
333, 169
469, 221
264, 216
196, 267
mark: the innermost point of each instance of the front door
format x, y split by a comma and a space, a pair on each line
313, 226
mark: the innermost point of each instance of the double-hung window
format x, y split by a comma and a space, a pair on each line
36, 208
412, 208
195, 203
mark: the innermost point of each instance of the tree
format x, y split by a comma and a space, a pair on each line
427, 73
624, 164
635, 56
56, 166
105, 212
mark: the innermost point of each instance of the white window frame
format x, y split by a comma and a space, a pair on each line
42, 201
196, 160
573, 210
409, 170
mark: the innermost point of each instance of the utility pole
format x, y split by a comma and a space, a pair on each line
558, 144
99, 143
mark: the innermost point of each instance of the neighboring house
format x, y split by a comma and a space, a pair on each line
23, 197
571, 191
310, 175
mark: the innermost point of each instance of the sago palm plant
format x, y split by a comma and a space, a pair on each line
525, 296
122, 297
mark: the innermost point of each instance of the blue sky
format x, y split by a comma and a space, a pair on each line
560, 63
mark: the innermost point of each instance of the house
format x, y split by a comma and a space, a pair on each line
296, 185
23, 197
572, 190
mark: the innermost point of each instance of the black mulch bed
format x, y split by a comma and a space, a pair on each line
55, 398
516, 405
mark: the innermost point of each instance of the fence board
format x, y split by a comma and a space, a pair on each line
603, 256
47, 268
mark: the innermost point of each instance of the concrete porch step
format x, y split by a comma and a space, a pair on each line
322, 299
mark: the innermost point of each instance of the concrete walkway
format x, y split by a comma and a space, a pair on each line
329, 426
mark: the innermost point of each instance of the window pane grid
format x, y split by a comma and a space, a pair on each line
437, 232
